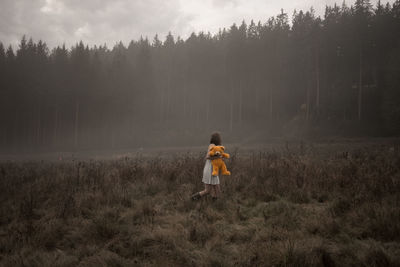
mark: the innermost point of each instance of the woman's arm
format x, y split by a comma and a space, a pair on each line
209, 150
213, 157
225, 155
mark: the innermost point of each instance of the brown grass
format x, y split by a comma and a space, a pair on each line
286, 208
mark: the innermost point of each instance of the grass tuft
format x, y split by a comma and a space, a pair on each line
282, 208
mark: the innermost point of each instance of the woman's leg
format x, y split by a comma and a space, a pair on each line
213, 191
217, 189
207, 189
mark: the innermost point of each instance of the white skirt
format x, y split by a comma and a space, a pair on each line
207, 177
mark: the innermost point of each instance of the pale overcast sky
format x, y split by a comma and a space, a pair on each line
111, 21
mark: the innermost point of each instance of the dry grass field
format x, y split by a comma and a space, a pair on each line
296, 206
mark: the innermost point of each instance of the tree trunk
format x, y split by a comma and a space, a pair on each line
308, 101
55, 127
76, 123
231, 111
162, 104
184, 99
360, 85
168, 95
197, 118
4, 138
14, 136
38, 121
31, 128
257, 102
270, 103
240, 101
112, 137
208, 99
318, 82
43, 129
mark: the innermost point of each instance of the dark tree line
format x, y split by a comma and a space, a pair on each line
337, 74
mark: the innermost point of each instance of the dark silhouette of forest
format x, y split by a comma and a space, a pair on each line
336, 75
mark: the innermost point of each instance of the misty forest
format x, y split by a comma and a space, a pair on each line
291, 75
103, 150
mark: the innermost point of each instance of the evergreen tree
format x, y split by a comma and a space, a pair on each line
315, 73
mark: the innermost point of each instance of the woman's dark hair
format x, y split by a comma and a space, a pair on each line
216, 139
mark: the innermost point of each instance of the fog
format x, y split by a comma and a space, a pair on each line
297, 76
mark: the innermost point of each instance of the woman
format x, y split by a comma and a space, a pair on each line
211, 183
